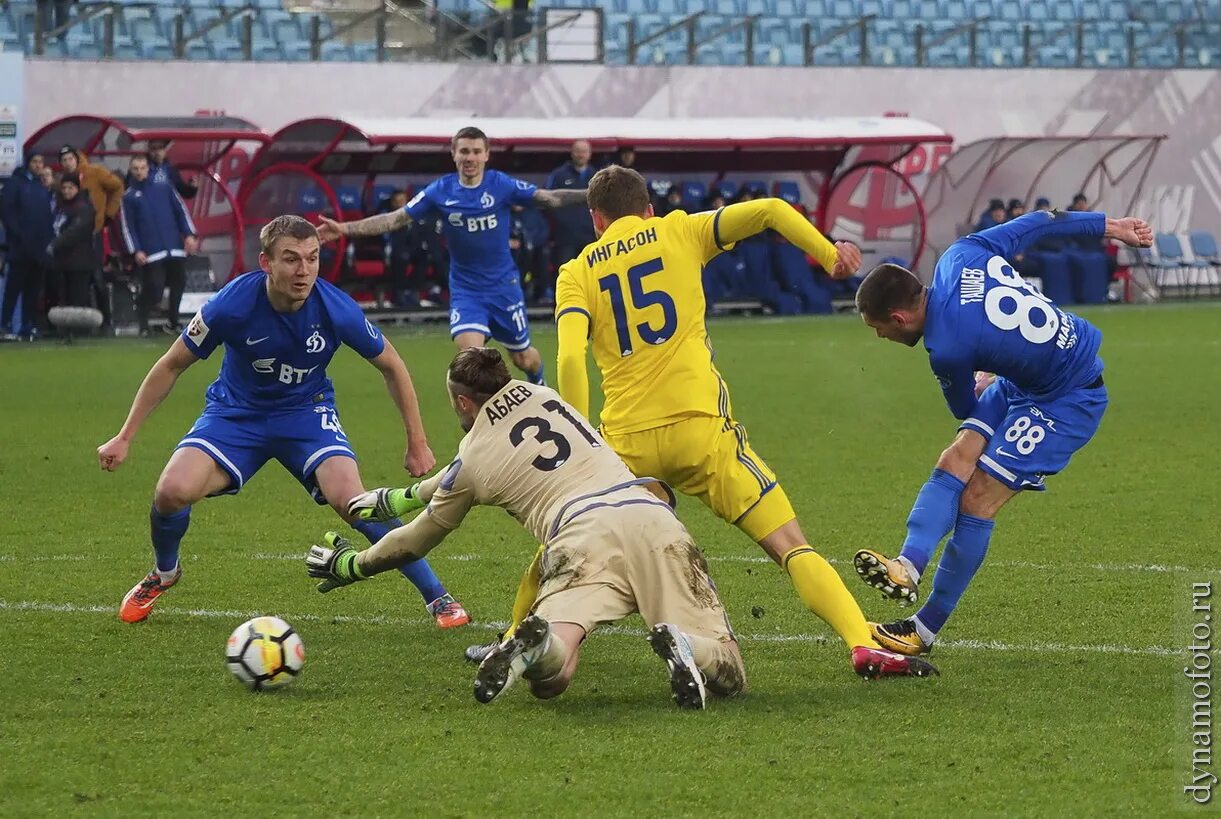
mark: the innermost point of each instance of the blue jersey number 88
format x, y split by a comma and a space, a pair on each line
641, 300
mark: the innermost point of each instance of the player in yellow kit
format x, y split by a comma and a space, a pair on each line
637, 293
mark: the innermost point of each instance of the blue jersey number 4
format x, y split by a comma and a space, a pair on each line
641, 300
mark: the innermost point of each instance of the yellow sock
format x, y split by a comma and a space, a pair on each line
824, 593
527, 591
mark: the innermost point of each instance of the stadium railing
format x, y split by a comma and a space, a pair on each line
945, 33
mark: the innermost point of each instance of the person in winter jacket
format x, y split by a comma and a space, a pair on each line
158, 232
25, 210
72, 248
104, 188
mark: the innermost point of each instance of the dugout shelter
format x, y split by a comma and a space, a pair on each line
840, 169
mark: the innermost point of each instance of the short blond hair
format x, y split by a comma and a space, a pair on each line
294, 227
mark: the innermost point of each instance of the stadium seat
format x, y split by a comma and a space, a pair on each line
791, 8
1204, 247
787, 190
694, 194
1064, 11
757, 186
311, 200
1053, 57
728, 189
796, 278
378, 194
349, 201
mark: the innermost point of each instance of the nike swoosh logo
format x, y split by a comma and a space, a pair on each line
250, 341
1000, 451
451, 202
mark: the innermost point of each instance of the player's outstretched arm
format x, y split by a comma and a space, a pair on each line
418, 459
745, 219
329, 230
559, 198
153, 390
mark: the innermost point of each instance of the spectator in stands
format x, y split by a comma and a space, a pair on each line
48, 180
529, 241
626, 157
995, 215
105, 190
160, 169
1042, 204
105, 193
715, 201
673, 201
573, 227
72, 249
159, 234
1080, 202
25, 210
1016, 208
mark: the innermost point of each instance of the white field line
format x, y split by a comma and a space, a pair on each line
1109, 568
420, 622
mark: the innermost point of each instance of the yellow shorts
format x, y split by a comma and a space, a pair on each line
711, 459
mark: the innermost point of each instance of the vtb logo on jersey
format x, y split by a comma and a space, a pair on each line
286, 374
315, 343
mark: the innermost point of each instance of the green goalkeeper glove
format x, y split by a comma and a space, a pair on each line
335, 563
384, 504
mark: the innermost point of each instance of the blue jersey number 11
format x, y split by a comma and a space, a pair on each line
641, 299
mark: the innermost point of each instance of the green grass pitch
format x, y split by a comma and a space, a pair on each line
1061, 687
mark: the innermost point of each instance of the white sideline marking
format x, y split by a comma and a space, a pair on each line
970, 645
1140, 568
1110, 568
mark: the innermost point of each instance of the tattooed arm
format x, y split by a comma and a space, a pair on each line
559, 198
329, 229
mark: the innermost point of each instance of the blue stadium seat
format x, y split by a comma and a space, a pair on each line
694, 194
349, 201
1052, 57
1090, 10
957, 10
917, 10
364, 52
842, 10
791, 8
881, 9
728, 189
788, 190
269, 52
980, 9
296, 52
1037, 10
1008, 10
1064, 10
336, 52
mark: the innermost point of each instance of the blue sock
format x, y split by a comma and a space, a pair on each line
417, 571
538, 377
931, 518
167, 532
963, 556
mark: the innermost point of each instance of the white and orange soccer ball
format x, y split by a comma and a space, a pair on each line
265, 652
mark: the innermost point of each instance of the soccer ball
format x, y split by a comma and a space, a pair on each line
265, 653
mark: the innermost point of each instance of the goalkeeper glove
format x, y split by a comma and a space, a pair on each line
335, 563
384, 504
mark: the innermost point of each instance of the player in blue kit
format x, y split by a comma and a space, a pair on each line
486, 298
273, 399
1022, 375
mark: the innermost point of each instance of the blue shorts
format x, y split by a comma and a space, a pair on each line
497, 314
241, 441
1029, 438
